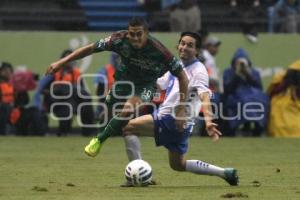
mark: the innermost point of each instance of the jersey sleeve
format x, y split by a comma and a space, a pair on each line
171, 63
163, 81
174, 66
109, 43
200, 80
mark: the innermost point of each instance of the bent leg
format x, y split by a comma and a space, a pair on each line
179, 163
116, 124
140, 126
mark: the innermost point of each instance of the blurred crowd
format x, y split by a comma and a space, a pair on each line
241, 106
61, 95
279, 16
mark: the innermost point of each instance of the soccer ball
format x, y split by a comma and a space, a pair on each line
138, 172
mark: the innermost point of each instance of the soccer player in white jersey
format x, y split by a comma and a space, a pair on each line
161, 124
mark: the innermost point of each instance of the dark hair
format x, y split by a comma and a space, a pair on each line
292, 77
4, 65
138, 21
194, 35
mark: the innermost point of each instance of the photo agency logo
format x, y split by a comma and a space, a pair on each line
69, 100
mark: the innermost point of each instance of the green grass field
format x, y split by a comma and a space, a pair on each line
44, 168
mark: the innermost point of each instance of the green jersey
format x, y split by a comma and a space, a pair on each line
140, 66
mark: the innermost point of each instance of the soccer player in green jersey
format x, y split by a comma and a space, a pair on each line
143, 60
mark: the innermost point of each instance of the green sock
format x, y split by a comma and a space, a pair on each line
114, 127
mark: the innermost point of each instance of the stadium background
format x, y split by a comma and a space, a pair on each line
34, 33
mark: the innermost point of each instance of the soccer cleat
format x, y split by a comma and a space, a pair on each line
93, 148
231, 176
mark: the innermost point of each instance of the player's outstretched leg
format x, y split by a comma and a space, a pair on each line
93, 148
199, 167
231, 176
114, 126
179, 163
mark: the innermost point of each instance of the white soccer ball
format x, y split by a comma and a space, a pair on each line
138, 172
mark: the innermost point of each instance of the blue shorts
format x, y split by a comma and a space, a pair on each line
166, 134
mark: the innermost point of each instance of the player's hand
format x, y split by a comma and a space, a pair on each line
213, 132
53, 68
180, 118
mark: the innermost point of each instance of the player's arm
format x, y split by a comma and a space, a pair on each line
77, 54
101, 45
183, 88
211, 127
176, 69
180, 110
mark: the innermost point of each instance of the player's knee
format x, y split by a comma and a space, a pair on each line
134, 100
130, 107
131, 124
126, 113
130, 127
